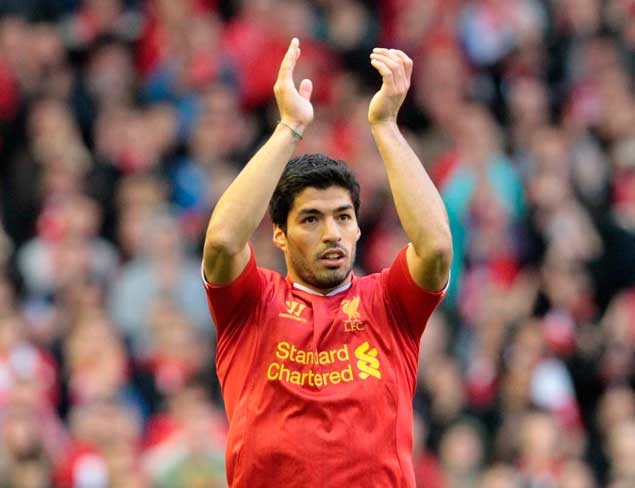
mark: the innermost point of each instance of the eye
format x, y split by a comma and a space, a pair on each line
345, 217
309, 219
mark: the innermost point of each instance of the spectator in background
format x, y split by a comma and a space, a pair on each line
185, 444
462, 454
500, 476
105, 449
163, 270
67, 249
24, 459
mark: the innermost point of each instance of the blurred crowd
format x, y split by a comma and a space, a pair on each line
122, 121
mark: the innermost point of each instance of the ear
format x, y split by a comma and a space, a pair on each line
359, 234
279, 238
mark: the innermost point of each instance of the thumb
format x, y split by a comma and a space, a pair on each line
306, 88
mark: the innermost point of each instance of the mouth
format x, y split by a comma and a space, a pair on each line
333, 258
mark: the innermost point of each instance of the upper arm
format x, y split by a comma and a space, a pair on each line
430, 271
411, 302
221, 267
232, 303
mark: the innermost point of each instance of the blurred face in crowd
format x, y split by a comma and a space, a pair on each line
110, 76
539, 439
616, 406
96, 360
529, 103
501, 476
20, 434
441, 85
575, 474
461, 449
31, 474
321, 238
582, 15
622, 451
443, 381
477, 135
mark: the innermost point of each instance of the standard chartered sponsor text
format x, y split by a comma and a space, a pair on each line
337, 361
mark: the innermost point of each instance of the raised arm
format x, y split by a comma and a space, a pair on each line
243, 205
419, 205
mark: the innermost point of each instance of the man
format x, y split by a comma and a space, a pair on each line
318, 369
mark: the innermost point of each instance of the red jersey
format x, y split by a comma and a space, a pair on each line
318, 389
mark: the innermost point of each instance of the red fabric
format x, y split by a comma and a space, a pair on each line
150, 50
9, 93
154, 44
66, 471
342, 138
170, 373
444, 17
624, 187
254, 49
481, 383
444, 168
559, 332
318, 389
569, 416
428, 472
257, 53
504, 269
160, 428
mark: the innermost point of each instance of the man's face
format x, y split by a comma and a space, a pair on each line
321, 238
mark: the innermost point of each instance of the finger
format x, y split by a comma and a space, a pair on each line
399, 56
407, 62
383, 70
390, 61
306, 88
394, 63
289, 60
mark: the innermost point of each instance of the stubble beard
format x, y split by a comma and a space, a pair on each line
320, 277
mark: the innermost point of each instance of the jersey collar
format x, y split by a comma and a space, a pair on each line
335, 291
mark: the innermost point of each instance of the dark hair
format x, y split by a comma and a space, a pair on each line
310, 170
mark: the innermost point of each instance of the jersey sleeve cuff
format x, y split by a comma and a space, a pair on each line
251, 263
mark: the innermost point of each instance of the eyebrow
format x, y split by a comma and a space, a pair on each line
315, 211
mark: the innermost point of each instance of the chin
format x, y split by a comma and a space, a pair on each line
330, 279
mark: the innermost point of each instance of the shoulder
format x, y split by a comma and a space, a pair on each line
273, 281
369, 281
371, 286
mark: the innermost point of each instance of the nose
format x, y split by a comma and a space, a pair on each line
331, 231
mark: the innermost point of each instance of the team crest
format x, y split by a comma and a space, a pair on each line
351, 308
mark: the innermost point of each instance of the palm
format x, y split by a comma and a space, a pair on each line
294, 103
295, 106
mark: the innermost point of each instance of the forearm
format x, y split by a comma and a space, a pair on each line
419, 206
242, 206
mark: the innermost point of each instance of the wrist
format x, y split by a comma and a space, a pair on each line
383, 124
295, 127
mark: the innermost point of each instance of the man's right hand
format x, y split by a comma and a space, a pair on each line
294, 103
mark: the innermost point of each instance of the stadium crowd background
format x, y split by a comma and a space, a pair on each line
121, 121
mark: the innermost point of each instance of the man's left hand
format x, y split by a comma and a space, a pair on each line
395, 68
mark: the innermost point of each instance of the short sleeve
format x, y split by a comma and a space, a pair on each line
412, 304
231, 305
